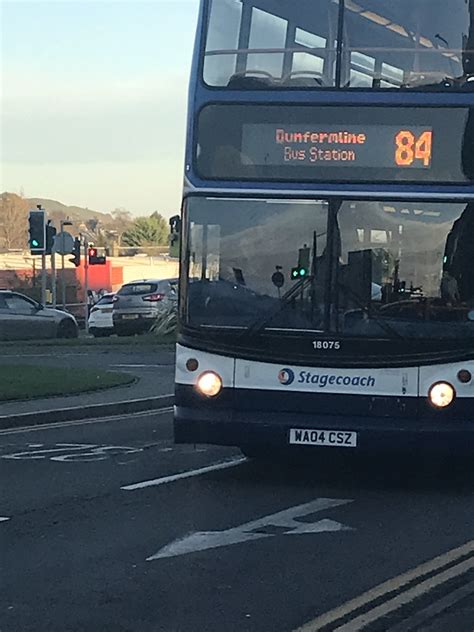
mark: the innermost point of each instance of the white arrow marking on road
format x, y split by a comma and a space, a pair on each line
4, 519
286, 520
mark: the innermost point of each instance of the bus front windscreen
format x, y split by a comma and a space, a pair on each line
359, 269
295, 43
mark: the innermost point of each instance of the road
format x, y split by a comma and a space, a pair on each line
120, 358
106, 526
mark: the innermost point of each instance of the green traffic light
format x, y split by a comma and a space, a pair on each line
35, 243
302, 272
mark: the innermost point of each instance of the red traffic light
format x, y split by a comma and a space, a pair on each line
94, 258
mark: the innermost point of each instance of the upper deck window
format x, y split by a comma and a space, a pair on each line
417, 44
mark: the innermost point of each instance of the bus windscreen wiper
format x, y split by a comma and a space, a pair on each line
261, 322
380, 321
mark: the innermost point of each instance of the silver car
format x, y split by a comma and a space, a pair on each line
137, 305
21, 318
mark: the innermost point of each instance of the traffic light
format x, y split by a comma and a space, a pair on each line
175, 230
94, 258
37, 231
76, 253
50, 235
302, 269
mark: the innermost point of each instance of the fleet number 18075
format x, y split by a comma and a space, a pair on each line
327, 345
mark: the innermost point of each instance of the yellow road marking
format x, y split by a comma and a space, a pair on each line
409, 595
392, 585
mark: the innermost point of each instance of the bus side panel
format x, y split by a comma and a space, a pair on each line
222, 365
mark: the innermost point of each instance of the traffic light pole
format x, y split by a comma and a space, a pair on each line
53, 281
43, 279
86, 282
63, 283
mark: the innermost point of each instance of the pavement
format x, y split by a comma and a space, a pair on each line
153, 368
107, 526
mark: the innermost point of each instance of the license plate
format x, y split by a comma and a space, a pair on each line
326, 438
130, 316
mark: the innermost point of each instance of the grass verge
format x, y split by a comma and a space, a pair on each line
19, 381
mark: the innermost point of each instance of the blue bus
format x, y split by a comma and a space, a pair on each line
327, 234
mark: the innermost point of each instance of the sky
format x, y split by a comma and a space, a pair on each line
93, 101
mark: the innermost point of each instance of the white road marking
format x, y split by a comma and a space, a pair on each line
85, 422
387, 587
189, 474
286, 520
4, 519
46, 453
139, 366
98, 453
42, 355
73, 452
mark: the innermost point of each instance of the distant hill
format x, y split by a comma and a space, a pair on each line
58, 210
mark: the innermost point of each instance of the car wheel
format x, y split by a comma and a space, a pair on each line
67, 329
97, 333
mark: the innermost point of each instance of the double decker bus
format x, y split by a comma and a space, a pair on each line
327, 238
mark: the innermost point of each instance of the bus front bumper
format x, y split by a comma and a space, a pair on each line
272, 430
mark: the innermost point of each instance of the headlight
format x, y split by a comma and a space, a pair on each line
441, 394
209, 384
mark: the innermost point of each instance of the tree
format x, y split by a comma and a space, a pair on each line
120, 215
13, 222
121, 222
147, 232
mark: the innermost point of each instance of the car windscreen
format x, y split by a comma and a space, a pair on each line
138, 289
106, 300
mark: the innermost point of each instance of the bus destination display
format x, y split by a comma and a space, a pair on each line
362, 146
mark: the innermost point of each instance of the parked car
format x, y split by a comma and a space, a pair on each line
101, 322
21, 318
137, 305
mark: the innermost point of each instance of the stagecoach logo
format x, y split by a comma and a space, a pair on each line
286, 377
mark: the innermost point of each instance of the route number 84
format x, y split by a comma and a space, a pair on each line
411, 148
